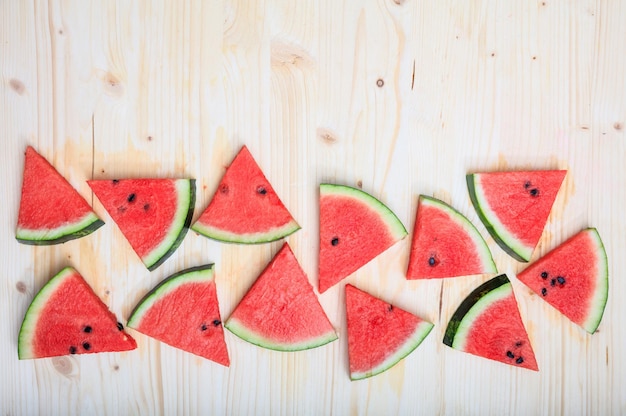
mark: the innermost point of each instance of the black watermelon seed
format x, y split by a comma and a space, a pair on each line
120, 326
544, 275
527, 184
86, 346
519, 360
146, 207
203, 327
115, 181
261, 190
224, 188
131, 197
552, 282
510, 354
72, 350
390, 308
217, 322
87, 329
544, 291
432, 261
334, 241
561, 280
518, 343
534, 192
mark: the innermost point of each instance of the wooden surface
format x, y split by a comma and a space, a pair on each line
399, 97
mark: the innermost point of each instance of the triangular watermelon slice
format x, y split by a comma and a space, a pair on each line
183, 311
379, 334
281, 311
67, 317
446, 244
355, 227
153, 214
514, 206
573, 278
245, 208
51, 211
488, 324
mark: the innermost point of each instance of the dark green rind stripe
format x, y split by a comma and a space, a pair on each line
164, 283
184, 229
468, 303
492, 231
65, 238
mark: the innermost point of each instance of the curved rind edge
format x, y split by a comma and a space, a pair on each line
82, 228
598, 303
255, 238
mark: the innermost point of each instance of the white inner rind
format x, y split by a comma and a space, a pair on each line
411, 343
396, 228
29, 325
486, 259
168, 286
247, 238
245, 333
58, 232
183, 191
598, 302
499, 293
500, 229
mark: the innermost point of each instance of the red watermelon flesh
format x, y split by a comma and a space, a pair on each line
379, 334
355, 227
446, 244
67, 317
183, 311
153, 214
281, 311
51, 211
514, 206
488, 324
245, 208
573, 278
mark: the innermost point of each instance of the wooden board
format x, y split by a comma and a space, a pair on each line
397, 97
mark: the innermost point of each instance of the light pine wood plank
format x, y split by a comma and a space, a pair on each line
396, 97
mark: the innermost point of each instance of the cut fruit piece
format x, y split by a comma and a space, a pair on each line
51, 211
573, 278
67, 317
183, 311
514, 206
281, 311
488, 324
446, 244
355, 227
153, 214
245, 208
379, 334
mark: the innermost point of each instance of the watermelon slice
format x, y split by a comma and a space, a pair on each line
67, 317
245, 208
488, 324
446, 244
514, 206
281, 311
573, 278
51, 211
153, 214
183, 311
355, 227
379, 334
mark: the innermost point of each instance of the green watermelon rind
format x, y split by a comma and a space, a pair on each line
248, 238
29, 324
186, 190
600, 297
394, 224
236, 327
474, 305
67, 232
488, 265
411, 343
502, 236
200, 274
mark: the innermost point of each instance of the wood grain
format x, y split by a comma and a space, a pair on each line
398, 97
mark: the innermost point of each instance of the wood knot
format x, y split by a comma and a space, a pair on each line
326, 136
17, 86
